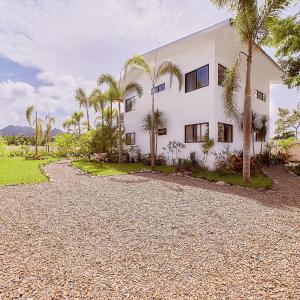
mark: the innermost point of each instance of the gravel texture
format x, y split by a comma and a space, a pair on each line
132, 237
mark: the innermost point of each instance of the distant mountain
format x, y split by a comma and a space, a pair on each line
11, 130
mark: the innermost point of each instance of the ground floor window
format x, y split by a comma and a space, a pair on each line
130, 138
225, 133
196, 133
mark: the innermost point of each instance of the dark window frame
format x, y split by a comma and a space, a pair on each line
158, 89
196, 124
196, 81
131, 105
226, 124
225, 69
126, 138
258, 93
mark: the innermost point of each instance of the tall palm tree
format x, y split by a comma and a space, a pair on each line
37, 123
84, 101
118, 92
99, 102
159, 122
250, 20
155, 73
77, 120
49, 121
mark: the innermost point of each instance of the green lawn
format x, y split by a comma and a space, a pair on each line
257, 181
21, 171
109, 169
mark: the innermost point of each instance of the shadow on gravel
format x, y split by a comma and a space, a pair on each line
285, 193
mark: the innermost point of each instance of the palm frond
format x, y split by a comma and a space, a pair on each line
231, 86
28, 114
109, 80
133, 87
81, 97
147, 122
139, 62
168, 68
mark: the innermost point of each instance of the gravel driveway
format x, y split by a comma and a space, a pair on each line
129, 237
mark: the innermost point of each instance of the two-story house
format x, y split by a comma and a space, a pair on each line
196, 112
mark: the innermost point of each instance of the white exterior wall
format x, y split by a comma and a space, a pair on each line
202, 105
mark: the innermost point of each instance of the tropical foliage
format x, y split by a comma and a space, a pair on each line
284, 36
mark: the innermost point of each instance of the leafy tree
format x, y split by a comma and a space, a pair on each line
104, 139
251, 19
118, 92
159, 122
155, 73
84, 101
66, 144
287, 121
76, 120
285, 37
37, 123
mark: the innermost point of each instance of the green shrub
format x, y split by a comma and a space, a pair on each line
66, 144
3, 148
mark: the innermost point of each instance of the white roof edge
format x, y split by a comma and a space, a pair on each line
202, 31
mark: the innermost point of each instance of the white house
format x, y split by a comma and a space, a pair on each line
196, 112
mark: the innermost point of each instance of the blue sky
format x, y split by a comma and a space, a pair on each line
63, 44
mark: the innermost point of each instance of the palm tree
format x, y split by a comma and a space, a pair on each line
118, 92
99, 102
262, 129
250, 20
67, 124
37, 122
85, 102
76, 118
50, 121
159, 122
155, 74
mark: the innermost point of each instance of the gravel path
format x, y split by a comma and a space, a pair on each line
131, 237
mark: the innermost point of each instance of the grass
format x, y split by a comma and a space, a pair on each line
109, 169
257, 181
20, 171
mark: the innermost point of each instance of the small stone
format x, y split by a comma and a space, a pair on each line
220, 183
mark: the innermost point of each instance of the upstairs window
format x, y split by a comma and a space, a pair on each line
197, 79
225, 133
130, 138
158, 89
162, 131
221, 74
196, 133
129, 104
260, 95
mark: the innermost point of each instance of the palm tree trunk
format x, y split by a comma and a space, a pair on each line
88, 119
111, 107
102, 118
152, 143
120, 136
247, 119
36, 135
79, 129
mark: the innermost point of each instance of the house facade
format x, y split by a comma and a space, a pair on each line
196, 112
